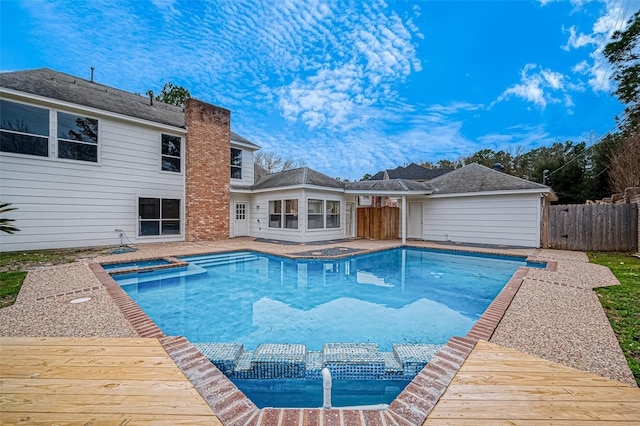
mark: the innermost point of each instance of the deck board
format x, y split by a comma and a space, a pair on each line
497, 386
106, 381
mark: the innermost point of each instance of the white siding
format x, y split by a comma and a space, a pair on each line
63, 203
512, 220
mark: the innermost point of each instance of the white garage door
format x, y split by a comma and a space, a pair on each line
512, 220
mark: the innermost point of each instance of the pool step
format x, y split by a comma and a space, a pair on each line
158, 275
346, 361
220, 259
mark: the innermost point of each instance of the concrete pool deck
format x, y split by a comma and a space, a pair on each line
553, 314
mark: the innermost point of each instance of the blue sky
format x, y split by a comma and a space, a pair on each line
348, 87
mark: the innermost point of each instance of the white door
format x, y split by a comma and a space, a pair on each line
414, 228
240, 222
349, 220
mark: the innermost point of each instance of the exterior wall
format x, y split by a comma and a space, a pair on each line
207, 171
259, 224
512, 220
66, 203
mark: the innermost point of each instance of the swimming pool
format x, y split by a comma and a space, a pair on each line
278, 318
402, 295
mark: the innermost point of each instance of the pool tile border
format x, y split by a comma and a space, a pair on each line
232, 407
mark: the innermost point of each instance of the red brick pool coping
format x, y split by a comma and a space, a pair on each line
232, 407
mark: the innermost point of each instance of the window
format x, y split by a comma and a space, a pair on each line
315, 214
333, 214
159, 216
24, 129
291, 214
241, 211
77, 137
171, 153
288, 217
236, 163
323, 214
275, 214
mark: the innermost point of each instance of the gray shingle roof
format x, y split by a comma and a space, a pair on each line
68, 88
391, 185
301, 176
478, 178
411, 172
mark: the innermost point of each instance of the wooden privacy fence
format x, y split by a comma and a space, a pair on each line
378, 223
598, 227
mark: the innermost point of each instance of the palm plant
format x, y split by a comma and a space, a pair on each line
5, 223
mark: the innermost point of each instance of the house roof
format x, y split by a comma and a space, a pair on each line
295, 177
68, 88
391, 185
478, 178
410, 172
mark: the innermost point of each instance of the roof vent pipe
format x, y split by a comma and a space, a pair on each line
150, 93
92, 74
498, 167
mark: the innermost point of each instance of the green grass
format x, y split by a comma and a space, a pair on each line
13, 267
10, 283
622, 303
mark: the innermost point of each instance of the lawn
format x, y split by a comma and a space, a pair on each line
622, 303
14, 267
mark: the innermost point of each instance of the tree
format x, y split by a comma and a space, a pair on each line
624, 170
274, 163
623, 52
5, 223
174, 95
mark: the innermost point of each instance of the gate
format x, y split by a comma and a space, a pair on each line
379, 223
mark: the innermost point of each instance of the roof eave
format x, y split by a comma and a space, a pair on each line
42, 100
495, 192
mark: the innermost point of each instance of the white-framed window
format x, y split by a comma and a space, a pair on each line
158, 216
241, 211
236, 163
24, 129
77, 137
333, 214
283, 218
323, 214
315, 214
171, 147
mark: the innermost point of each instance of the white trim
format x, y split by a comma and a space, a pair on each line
482, 193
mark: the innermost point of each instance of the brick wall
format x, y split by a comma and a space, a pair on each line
207, 171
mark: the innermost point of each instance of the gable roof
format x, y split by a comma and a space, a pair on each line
56, 85
411, 172
295, 177
478, 178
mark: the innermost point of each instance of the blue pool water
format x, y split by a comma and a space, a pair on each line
292, 393
402, 295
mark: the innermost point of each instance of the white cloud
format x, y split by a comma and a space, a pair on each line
537, 86
597, 68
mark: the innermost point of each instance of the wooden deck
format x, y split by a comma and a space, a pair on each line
497, 386
102, 381
134, 381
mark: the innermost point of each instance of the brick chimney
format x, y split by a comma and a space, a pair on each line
208, 151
